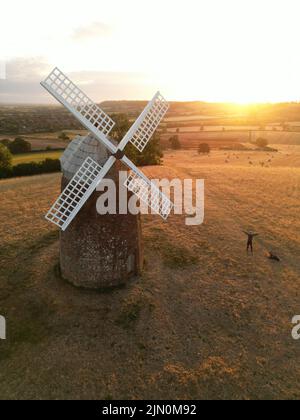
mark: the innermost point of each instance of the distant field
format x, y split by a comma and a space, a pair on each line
226, 128
35, 157
41, 141
190, 134
191, 118
190, 139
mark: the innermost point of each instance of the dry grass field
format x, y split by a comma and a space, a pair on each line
205, 320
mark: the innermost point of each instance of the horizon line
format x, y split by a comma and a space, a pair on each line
241, 104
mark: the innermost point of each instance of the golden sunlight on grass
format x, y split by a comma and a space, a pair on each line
204, 317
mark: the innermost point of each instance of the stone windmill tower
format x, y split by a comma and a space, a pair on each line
107, 247
101, 251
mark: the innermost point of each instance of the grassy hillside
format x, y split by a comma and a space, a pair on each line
204, 321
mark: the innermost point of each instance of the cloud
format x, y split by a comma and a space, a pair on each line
22, 83
24, 75
93, 30
28, 69
113, 85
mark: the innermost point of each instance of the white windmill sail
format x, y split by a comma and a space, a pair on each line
77, 192
147, 191
80, 105
144, 127
91, 173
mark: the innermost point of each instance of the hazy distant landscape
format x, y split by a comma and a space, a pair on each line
220, 125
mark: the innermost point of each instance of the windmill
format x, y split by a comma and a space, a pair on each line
80, 188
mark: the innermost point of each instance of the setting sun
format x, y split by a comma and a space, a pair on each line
232, 51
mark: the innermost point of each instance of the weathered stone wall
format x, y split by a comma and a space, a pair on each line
101, 251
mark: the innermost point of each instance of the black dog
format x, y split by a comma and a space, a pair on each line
273, 257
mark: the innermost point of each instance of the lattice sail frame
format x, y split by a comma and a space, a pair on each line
77, 192
66, 92
91, 173
149, 194
157, 110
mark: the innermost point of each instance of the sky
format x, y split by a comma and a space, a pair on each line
239, 51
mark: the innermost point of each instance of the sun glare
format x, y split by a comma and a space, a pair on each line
209, 50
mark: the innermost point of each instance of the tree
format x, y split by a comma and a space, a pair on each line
5, 160
63, 136
204, 148
5, 142
152, 153
261, 142
121, 127
175, 143
19, 145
